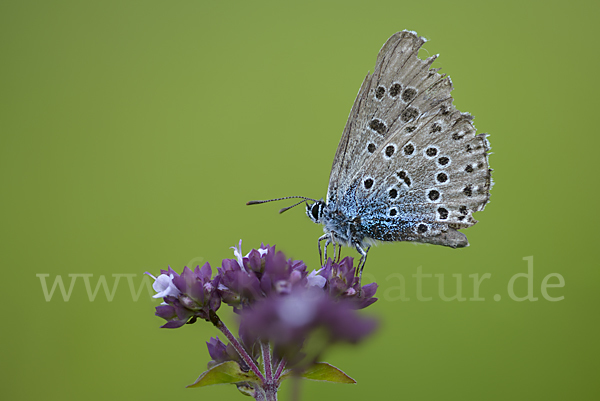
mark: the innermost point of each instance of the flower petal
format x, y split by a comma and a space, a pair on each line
237, 252
315, 280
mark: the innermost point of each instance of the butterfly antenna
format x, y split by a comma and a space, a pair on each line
289, 207
304, 199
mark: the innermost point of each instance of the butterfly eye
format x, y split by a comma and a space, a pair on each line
315, 211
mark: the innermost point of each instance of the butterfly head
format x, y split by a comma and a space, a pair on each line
315, 211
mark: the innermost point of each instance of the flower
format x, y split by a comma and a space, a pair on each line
217, 350
245, 280
219, 353
315, 280
261, 272
237, 252
288, 320
341, 281
288, 316
187, 296
163, 285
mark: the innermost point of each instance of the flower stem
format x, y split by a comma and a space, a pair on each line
280, 368
271, 394
218, 323
259, 394
266, 358
271, 384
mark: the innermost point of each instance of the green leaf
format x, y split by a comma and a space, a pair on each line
223, 373
322, 371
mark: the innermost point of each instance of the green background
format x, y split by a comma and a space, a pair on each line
133, 132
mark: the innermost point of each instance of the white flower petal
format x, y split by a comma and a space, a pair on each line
164, 286
237, 252
314, 280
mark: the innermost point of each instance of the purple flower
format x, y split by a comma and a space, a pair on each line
245, 280
217, 350
288, 316
236, 286
342, 282
261, 272
175, 315
288, 320
187, 296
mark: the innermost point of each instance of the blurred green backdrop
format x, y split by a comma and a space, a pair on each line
133, 132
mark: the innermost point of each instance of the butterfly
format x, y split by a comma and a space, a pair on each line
409, 165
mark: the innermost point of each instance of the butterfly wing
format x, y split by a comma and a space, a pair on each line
409, 163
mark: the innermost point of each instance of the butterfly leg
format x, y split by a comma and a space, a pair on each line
339, 253
363, 260
335, 253
321, 238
